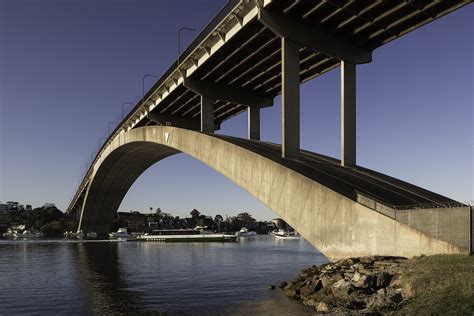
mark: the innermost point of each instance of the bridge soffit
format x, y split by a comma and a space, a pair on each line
312, 37
227, 93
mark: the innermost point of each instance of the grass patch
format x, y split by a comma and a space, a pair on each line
442, 285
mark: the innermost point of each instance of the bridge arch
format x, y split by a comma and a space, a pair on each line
333, 223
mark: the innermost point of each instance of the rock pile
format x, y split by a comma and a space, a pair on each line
360, 285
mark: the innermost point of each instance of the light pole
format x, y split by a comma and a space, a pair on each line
113, 122
100, 139
143, 86
93, 155
123, 105
179, 40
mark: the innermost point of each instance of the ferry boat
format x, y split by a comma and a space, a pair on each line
244, 232
282, 234
185, 235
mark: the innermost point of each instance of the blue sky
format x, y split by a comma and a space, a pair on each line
66, 66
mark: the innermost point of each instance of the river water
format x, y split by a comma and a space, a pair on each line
110, 277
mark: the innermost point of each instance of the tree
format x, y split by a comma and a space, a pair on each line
54, 228
245, 217
218, 219
195, 214
159, 212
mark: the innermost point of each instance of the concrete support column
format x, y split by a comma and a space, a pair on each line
290, 105
253, 123
348, 114
207, 115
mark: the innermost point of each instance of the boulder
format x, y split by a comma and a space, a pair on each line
342, 288
292, 289
384, 302
382, 279
323, 307
329, 279
363, 281
367, 260
313, 286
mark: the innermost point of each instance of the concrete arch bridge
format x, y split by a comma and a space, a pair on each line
248, 54
341, 211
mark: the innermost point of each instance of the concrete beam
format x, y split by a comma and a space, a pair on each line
312, 37
207, 115
290, 99
178, 121
348, 114
170, 120
227, 93
253, 123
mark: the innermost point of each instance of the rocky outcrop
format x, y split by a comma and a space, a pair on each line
354, 285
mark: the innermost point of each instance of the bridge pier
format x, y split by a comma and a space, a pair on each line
290, 98
348, 114
253, 117
295, 34
207, 115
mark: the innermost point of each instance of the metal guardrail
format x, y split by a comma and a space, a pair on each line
390, 209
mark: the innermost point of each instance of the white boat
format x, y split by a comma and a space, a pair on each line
185, 235
27, 234
79, 234
9, 234
91, 235
121, 233
282, 234
244, 232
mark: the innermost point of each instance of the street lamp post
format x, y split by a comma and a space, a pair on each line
123, 105
113, 122
93, 155
100, 139
179, 40
143, 85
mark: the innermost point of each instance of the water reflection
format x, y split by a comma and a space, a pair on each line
103, 277
104, 280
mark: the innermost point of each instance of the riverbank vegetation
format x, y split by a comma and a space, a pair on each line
439, 285
49, 220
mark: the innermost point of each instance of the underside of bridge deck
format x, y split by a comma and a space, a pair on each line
251, 52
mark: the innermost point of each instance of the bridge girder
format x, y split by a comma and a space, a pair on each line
313, 37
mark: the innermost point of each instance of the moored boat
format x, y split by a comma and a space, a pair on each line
70, 234
91, 235
27, 234
244, 232
9, 234
282, 234
186, 235
121, 233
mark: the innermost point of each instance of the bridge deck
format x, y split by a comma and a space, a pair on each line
392, 192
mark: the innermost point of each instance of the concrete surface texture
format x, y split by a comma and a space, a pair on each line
335, 224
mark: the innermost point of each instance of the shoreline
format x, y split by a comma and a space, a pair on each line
437, 284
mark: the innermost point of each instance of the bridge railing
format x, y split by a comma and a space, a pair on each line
451, 221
